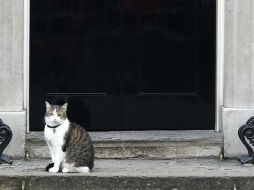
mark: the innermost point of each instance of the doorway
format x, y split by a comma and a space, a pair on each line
125, 65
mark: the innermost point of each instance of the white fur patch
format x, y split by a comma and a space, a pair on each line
82, 169
70, 168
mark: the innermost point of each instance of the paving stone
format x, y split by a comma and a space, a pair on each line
142, 144
177, 174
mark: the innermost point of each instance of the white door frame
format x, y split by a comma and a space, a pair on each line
219, 60
26, 59
220, 32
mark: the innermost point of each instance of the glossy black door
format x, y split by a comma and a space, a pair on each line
125, 64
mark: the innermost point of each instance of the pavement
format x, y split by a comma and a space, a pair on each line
118, 174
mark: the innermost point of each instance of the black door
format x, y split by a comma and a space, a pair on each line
125, 64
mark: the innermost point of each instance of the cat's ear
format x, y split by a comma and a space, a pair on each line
65, 106
47, 105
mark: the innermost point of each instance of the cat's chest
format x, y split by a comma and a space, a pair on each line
55, 137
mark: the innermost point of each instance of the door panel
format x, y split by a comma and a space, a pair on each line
162, 75
124, 64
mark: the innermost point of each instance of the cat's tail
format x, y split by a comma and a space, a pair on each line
91, 161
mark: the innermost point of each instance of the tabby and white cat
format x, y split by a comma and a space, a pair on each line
70, 145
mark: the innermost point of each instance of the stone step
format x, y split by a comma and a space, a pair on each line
142, 144
132, 174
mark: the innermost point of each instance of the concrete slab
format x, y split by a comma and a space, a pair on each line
130, 136
148, 144
139, 168
180, 174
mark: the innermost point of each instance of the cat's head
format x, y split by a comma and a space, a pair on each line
55, 114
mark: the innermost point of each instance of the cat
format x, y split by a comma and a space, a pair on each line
70, 145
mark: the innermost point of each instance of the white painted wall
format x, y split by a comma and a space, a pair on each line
11, 55
238, 72
11, 73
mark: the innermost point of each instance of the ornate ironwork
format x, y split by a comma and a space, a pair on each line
5, 138
246, 131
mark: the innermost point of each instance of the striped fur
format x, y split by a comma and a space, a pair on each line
78, 147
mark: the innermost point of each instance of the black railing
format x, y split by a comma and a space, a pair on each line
247, 132
5, 138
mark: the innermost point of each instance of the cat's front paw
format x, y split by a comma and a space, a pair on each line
53, 170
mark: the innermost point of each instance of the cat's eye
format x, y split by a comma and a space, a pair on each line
50, 114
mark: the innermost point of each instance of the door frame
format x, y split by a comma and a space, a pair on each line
220, 35
26, 60
220, 29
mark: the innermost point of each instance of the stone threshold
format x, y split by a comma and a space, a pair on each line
142, 144
130, 174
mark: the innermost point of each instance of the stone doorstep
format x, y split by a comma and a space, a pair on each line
132, 174
142, 144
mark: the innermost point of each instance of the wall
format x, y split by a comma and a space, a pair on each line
239, 72
11, 68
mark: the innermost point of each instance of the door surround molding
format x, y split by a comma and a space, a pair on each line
26, 59
220, 34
